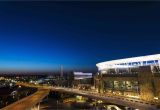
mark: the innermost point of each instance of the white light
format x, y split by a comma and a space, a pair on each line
10, 84
81, 75
156, 98
103, 72
140, 61
133, 96
100, 101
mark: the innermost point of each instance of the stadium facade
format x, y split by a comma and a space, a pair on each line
137, 77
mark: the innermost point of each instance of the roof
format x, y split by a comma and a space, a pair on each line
130, 62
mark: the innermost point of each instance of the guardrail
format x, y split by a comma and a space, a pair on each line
29, 101
125, 101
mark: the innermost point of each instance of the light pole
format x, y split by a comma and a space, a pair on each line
57, 104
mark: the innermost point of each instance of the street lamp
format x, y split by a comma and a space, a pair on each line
57, 104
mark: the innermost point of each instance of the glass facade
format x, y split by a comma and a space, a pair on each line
121, 86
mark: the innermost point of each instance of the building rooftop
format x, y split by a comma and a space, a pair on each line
131, 62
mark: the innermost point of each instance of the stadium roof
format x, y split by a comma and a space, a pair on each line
130, 62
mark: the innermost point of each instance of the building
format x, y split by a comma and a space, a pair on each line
137, 77
82, 80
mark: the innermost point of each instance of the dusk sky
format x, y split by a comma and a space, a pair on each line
77, 35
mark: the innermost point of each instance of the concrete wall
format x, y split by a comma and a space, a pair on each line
149, 85
145, 79
157, 86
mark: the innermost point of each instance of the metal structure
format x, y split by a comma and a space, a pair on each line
131, 62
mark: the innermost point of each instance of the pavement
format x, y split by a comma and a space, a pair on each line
29, 101
129, 102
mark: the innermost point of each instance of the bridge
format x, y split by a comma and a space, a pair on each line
29, 102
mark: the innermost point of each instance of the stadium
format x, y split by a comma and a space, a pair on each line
137, 77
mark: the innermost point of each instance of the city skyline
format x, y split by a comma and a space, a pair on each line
45, 35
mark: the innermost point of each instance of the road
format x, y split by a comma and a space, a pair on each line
129, 102
29, 101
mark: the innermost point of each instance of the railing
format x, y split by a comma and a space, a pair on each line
28, 102
121, 75
112, 98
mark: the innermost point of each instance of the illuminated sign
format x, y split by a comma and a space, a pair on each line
143, 63
131, 62
81, 75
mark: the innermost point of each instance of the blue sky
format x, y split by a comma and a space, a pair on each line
77, 35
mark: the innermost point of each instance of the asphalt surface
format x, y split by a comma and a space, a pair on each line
129, 102
29, 101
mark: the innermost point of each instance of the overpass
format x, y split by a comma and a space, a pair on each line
29, 102
128, 102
